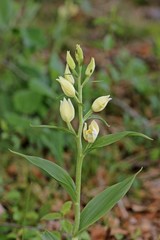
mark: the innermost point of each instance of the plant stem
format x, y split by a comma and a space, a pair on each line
88, 114
79, 157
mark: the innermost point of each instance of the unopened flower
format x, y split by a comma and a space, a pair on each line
79, 54
100, 103
90, 68
67, 110
91, 133
67, 74
66, 86
70, 61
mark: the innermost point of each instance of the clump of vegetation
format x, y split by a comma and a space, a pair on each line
86, 138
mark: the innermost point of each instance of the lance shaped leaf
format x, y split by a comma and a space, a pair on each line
112, 138
50, 236
99, 118
52, 127
104, 202
52, 216
58, 173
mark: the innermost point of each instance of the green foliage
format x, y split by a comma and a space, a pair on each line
13, 197
33, 38
53, 127
27, 102
103, 202
58, 173
51, 236
52, 216
26, 88
112, 138
66, 208
7, 13
66, 226
84, 236
115, 25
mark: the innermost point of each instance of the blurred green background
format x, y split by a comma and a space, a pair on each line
124, 38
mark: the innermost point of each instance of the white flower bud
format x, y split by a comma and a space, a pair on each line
70, 61
100, 103
67, 110
79, 54
91, 133
90, 68
67, 87
67, 74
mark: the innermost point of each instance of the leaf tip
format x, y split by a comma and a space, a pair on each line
139, 171
150, 138
11, 150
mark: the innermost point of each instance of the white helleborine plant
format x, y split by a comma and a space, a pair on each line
104, 201
67, 110
100, 103
67, 87
91, 133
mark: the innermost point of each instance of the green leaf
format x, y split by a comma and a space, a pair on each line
66, 207
104, 202
52, 216
108, 42
67, 226
53, 127
31, 9
33, 37
7, 13
41, 88
51, 236
112, 138
99, 118
26, 101
84, 236
58, 173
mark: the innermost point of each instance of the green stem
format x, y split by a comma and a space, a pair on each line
80, 157
85, 81
88, 114
69, 125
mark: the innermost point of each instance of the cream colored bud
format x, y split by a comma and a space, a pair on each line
90, 68
91, 133
79, 54
67, 87
100, 103
70, 61
67, 110
67, 74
